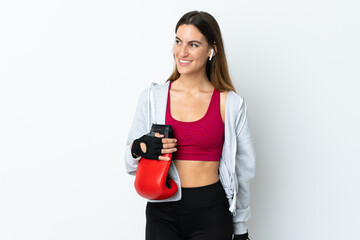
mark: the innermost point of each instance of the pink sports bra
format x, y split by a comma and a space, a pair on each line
202, 139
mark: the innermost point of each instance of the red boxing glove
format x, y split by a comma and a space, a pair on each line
151, 180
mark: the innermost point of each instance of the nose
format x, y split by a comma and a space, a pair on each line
183, 51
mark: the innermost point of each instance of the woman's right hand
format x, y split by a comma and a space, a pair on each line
153, 147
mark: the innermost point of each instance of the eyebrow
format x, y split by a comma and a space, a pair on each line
190, 41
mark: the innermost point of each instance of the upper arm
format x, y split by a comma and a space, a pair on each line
245, 163
139, 124
137, 129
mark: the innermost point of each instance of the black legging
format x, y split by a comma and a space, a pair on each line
201, 214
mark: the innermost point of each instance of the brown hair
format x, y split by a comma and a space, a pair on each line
216, 69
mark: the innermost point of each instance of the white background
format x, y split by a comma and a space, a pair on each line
70, 76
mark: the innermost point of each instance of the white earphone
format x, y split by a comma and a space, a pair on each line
212, 52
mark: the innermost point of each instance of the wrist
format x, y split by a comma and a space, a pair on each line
244, 236
135, 148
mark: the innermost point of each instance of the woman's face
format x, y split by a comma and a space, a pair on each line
191, 50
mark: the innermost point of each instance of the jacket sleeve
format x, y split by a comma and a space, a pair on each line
244, 169
138, 128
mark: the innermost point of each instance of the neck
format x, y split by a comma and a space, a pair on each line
194, 82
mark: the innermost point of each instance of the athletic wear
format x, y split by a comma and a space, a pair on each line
237, 164
202, 139
201, 214
153, 147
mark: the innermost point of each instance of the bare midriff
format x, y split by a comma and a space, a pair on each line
197, 173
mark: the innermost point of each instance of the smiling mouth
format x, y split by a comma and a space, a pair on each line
183, 61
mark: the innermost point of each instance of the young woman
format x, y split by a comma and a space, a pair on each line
213, 154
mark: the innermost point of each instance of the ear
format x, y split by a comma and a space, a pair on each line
215, 50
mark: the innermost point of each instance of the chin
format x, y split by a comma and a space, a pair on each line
183, 71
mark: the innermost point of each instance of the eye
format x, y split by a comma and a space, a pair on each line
177, 41
194, 45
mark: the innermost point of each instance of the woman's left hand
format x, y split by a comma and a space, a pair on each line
244, 236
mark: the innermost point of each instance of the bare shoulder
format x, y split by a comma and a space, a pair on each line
223, 97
